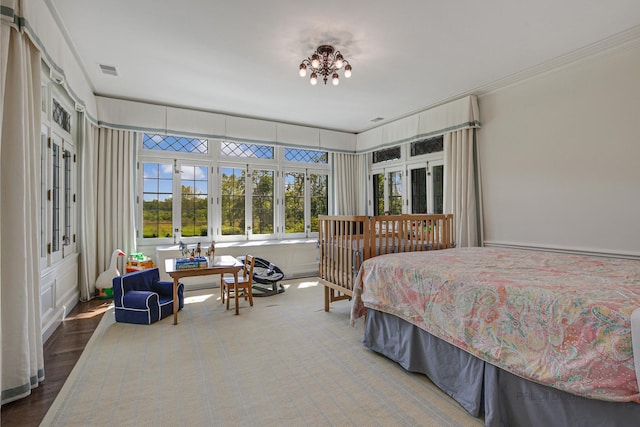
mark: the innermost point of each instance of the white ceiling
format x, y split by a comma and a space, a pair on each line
241, 57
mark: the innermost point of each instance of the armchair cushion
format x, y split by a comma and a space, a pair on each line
140, 297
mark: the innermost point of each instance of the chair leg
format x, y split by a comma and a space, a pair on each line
229, 295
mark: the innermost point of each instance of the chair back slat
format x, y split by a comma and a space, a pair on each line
249, 264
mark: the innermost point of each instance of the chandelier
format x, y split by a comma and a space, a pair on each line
325, 61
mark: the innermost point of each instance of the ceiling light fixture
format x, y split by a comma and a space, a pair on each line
325, 62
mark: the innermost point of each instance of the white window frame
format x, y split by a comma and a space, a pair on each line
247, 203
428, 165
185, 159
177, 200
386, 171
215, 161
307, 233
52, 134
251, 235
406, 163
317, 171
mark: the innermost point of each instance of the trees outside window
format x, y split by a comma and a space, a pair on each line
263, 197
232, 204
306, 197
191, 190
194, 207
408, 178
294, 195
157, 208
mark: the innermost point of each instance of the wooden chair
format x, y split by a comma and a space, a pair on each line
245, 283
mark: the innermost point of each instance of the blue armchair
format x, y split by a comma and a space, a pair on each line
140, 297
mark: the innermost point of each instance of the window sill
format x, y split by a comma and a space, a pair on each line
244, 244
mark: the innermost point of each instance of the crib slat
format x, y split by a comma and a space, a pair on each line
344, 242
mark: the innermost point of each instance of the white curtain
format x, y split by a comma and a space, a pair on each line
461, 186
350, 176
88, 201
109, 176
21, 353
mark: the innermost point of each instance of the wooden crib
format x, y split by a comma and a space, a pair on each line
346, 241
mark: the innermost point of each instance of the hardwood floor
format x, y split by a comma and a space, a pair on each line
61, 352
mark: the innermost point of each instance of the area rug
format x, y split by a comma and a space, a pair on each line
284, 361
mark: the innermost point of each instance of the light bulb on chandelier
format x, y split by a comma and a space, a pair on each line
325, 61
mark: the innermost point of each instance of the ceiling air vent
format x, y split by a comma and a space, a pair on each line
377, 119
109, 69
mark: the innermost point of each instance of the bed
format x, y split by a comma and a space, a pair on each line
346, 241
520, 337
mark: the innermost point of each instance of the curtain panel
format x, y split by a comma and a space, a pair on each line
88, 219
350, 183
21, 354
112, 177
462, 186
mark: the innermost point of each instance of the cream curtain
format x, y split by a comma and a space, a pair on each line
21, 353
110, 173
350, 176
88, 218
462, 186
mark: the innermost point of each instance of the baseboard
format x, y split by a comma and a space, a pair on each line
65, 308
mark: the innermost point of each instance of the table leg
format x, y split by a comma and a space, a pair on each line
175, 301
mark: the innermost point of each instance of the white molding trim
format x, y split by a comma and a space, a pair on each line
625, 39
573, 251
71, 300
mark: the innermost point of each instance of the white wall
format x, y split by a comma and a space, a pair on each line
57, 54
560, 157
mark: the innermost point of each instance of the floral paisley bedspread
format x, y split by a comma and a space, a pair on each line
556, 319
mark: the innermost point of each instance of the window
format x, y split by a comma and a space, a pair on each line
263, 197
61, 117
438, 189
305, 192
426, 187
386, 155
294, 196
58, 182
232, 193
55, 197
157, 205
378, 193
306, 156
165, 200
228, 191
66, 238
388, 192
175, 143
319, 197
408, 178
306, 197
395, 192
236, 149
194, 207
427, 146
247, 202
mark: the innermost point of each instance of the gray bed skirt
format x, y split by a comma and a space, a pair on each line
503, 399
